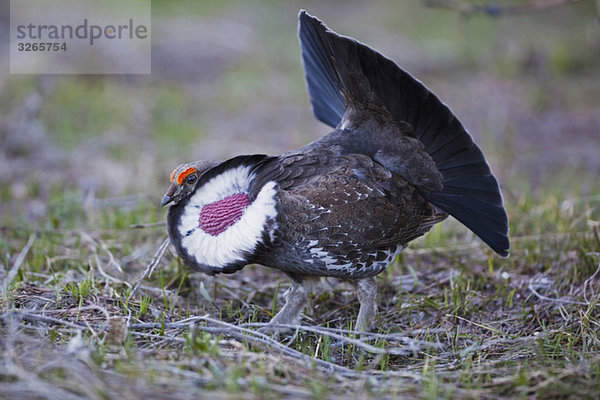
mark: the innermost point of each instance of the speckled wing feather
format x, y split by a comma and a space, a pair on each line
348, 212
342, 74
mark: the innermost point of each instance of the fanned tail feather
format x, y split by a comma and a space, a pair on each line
335, 65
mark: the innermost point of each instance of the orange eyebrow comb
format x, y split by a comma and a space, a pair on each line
184, 174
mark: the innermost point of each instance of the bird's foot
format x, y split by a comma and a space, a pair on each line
366, 290
296, 298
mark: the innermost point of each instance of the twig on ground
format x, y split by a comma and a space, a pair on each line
41, 318
483, 326
590, 279
542, 297
151, 266
18, 262
364, 336
111, 258
251, 336
106, 275
148, 225
412, 344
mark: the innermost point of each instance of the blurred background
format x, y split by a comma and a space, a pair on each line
227, 79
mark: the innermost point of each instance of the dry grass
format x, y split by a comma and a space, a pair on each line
454, 322
94, 306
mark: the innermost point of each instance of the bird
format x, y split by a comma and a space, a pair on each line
397, 162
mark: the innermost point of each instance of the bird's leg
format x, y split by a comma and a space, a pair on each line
296, 298
366, 289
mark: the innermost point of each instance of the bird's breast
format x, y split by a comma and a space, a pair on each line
216, 217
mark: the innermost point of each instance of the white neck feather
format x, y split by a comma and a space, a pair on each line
240, 238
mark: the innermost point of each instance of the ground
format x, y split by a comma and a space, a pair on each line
85, 161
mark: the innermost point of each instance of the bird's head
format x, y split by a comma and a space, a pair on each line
184, 180
220, 212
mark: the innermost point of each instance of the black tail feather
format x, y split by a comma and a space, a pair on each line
471, 193
490, 219
327, 103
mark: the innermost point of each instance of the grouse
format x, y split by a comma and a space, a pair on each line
397, 162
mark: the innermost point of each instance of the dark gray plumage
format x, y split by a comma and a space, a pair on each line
397, 162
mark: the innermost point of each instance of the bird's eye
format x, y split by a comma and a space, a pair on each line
191, 179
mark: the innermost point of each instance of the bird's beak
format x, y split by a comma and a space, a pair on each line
172, 194
166, 200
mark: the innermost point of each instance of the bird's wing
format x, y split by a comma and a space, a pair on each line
343, 75
350, 196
